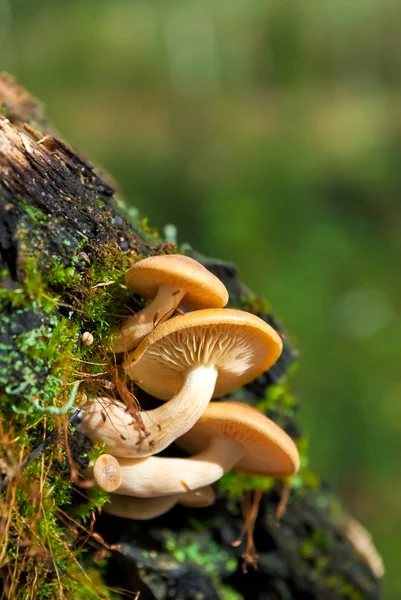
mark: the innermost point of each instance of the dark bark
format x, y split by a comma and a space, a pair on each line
56, 209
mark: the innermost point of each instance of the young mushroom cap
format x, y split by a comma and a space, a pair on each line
169, 280
143, 509
202, 288
229, 435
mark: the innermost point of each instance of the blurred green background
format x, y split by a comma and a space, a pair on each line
269, 133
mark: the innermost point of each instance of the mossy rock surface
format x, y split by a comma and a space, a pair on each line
66, 239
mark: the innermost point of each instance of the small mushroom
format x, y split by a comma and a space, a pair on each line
169, 280
87, 338
228, 435
189, 359
150, 508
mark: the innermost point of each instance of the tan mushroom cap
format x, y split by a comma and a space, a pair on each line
203, 289
269, 450
238, 344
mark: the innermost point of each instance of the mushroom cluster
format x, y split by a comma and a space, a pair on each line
185, 361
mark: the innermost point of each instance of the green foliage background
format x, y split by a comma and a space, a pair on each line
269, 133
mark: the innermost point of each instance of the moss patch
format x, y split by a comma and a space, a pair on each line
199, 548
41, 357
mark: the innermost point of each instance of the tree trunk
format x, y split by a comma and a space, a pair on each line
65, 242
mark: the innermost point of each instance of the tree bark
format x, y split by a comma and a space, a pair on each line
65, 241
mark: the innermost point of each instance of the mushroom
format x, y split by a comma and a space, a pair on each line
168, 280
189, 359
229, 434
107, 474
150, 508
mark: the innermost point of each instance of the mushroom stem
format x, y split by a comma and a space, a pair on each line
149, 508
139, 326
161, 426
180, 414
159, 476
139, 508
200, 498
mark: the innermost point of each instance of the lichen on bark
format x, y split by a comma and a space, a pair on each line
66, 240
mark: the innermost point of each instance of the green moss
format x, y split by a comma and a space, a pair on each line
305, 479
318, 550
279, 398
94, 498
59, 274
228, 593
5, 112
44, 549
343, 589
43, 356
149, 234
255, 305
32, 293
104, 294
40, 339
235, 484
36, 215
43, 345
319, 542
201, 550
